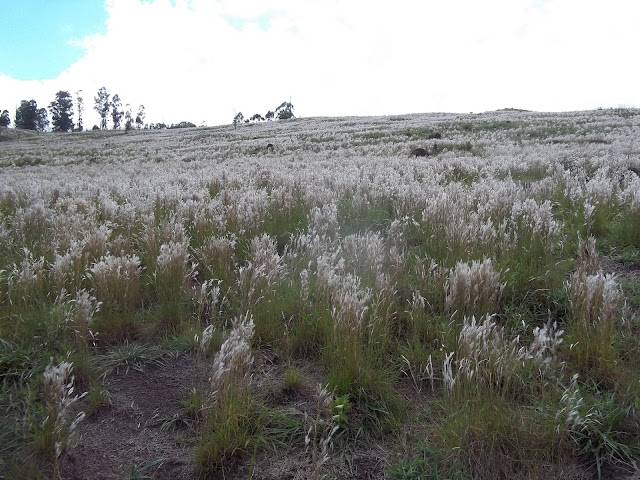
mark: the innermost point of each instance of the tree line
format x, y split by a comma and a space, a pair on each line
29, 117
284, 111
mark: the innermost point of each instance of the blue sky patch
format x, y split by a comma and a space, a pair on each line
36, 35
263, 20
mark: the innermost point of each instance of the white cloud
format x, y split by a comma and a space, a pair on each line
201, 60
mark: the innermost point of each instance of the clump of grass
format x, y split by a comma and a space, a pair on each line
58, 395
67, 269
117, 283
206, 299
262, 273
230, 421
27, 283
489, 365
173, 271
429, 462
293, 380
130, 355
80, 312
97, 398
473, 289
594, 301
320, 431
596, 424
493, 439
216, 257
170, 279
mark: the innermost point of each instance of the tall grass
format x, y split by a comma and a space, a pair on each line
472, 283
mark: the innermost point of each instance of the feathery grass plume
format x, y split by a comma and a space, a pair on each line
96, 243
27, 283
346, 354
154, 236
84, 307
349, 305
74, 315
546, 340
206, 298
246, 208
58, 397
448, 377
396, 233
231, 366
320, 431
432, 280
263, 272
571, 415
323, 221
67, 269
587, 255
229, 422
473, 289
216, 256
364, 252
304, 285
264, 251
536, 226
204, 343
488, 365
117, 282
33, 227
173, 271
594, 301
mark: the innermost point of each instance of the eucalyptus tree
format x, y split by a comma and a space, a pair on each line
116, 112
61, 110
30, 117
140, 116
102, 106
5, 121
80, 103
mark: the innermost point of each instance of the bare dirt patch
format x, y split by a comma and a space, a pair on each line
137, 435
132, 433
627, 269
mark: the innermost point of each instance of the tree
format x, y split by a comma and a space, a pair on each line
128, 124
257, 118
269, 116
80, 103
183, 125
237, 119
284, 111
30, 117
102, 106
116, 113
5, 121
62, 112
140, 116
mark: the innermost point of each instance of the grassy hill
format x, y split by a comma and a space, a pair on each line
334, 308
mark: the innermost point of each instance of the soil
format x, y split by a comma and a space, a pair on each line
131, 434
137, 435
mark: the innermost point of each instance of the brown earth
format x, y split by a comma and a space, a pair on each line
132, 432
141, 435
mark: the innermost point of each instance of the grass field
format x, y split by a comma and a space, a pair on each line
186, 304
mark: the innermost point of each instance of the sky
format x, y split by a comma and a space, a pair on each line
203, 61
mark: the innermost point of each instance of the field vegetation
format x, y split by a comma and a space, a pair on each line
186, 304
